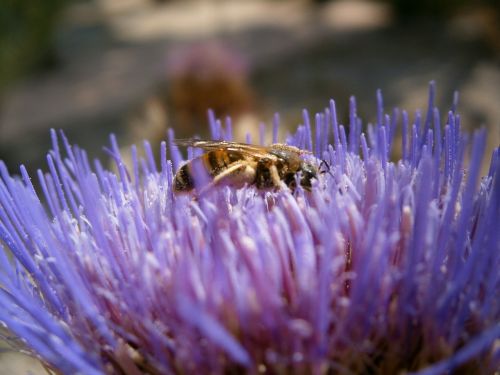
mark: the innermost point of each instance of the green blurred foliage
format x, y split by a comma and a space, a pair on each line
26, 36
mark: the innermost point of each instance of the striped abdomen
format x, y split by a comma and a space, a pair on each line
214, 162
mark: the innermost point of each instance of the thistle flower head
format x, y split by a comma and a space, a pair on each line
384, 267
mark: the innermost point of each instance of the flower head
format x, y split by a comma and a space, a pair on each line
383, 267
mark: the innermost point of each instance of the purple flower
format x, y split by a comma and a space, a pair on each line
384, 267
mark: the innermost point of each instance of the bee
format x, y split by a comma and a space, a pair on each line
237, 164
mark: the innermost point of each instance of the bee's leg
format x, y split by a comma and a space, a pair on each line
266, 175
237, 174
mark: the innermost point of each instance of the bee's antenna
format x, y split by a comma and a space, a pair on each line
327, 166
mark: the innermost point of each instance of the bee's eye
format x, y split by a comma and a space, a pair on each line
308, 173
308, 170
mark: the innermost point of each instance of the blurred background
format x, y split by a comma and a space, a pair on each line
138, 67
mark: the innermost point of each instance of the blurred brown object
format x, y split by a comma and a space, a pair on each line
199, 77
490, 17
205, 76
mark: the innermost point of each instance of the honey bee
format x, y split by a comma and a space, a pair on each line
237, 164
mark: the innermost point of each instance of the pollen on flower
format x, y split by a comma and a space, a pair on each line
380, 267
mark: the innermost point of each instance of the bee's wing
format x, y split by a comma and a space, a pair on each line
244, 148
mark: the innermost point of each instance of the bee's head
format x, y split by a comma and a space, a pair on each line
308, 172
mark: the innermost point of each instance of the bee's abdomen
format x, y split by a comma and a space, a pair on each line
217, 161
183, 180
